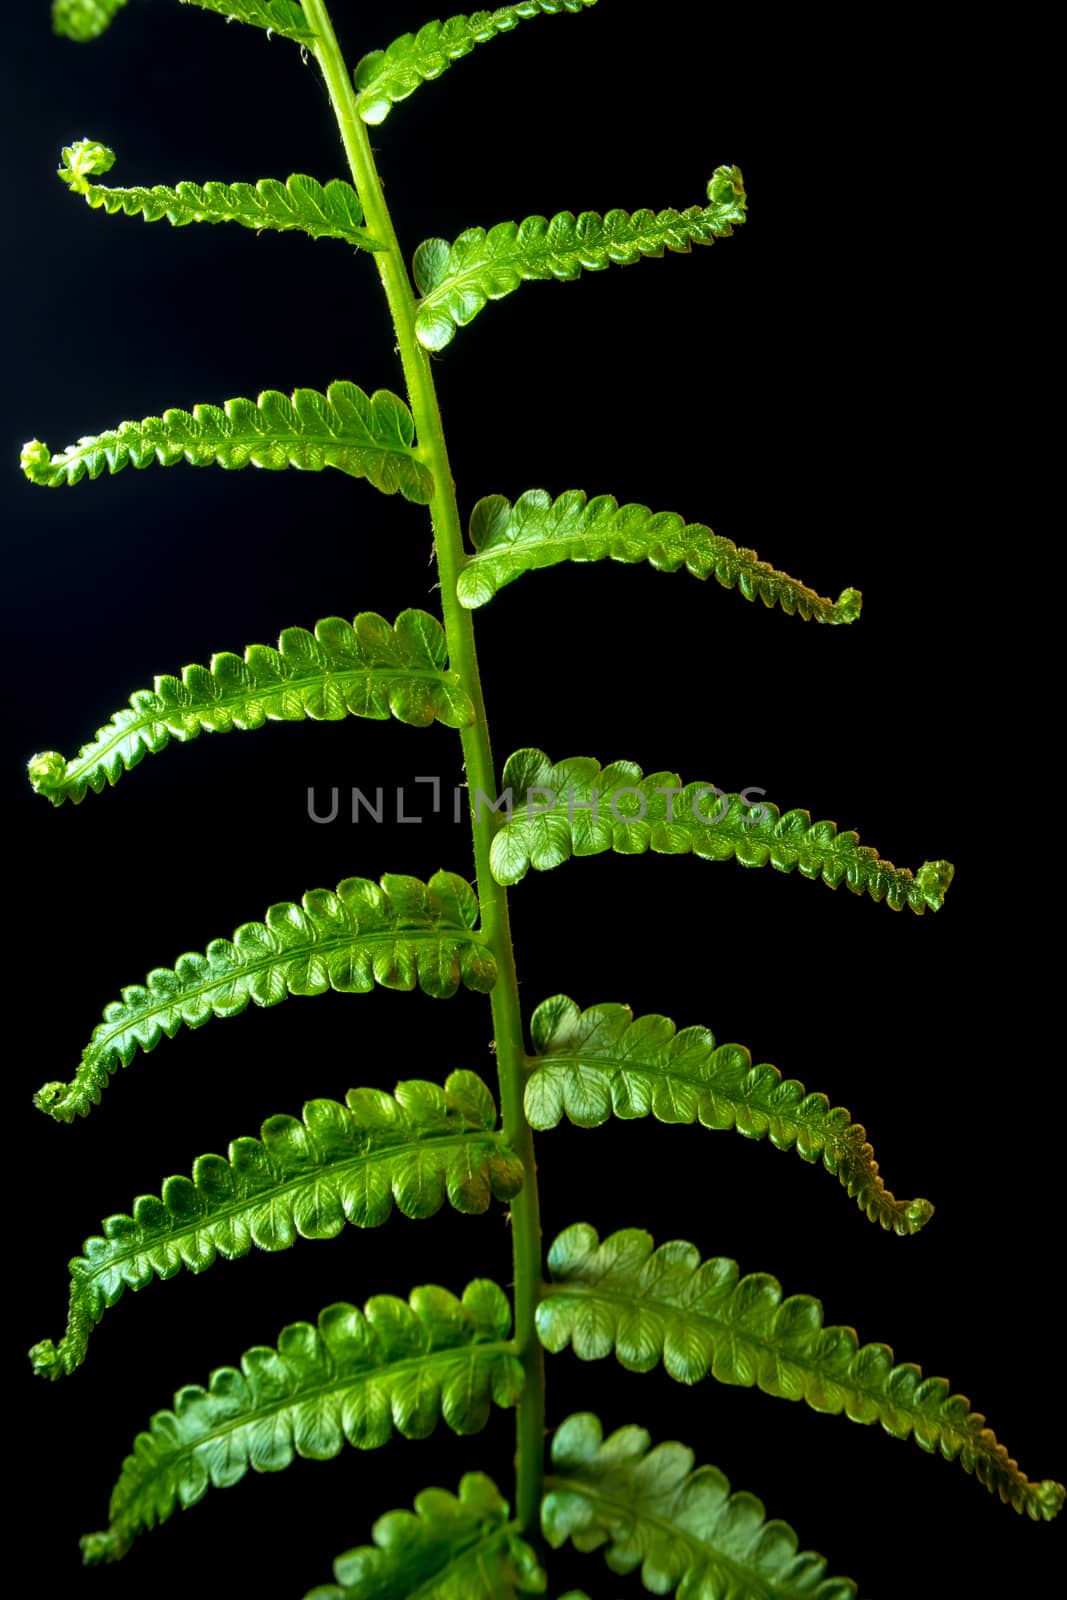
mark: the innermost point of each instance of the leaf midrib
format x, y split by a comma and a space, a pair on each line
675, 1531
248, 968
515, 256
276, 1192
240, 698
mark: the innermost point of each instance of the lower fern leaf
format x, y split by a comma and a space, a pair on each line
353, 1378
400, 934
664, 1305
538, 531
364, 668
592, 1064
688, 1534
450, 1548
367, 436
342, 1163
579, 808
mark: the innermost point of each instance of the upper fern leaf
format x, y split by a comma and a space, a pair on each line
399, 935
684, 1529
285, 17
450, 1549
578, 808
366, 436
341, 1164
650, 1305
333, 212
354, 1377
363, 668
592, 1063
456, 281
385, 76
538, 531
83, 19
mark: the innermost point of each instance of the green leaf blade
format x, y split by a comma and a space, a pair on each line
538, 532
365, 436
457, 281
651, 1305
601, 1062
385, 77
301, 1179
649, 1509
401, 934
452, 1548
365, 668
300, 203
578, 808
352, 1378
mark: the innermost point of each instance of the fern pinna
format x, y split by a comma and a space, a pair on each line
432, 1136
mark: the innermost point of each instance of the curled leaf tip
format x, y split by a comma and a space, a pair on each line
847, 606
933, 878
36, 460
725, 185
917, 1214
45, 1359
47, 771
83, 159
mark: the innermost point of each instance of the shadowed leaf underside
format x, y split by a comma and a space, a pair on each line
401, 934
538, 532
330, 212
365, 436
703, 1319
590, 1065
451, 1548
386, 76
353, 1378
364, 668
342, 1163
649, 1509
283, 17
579, 808
457, 281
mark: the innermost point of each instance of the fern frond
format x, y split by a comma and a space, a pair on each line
353, 1378
367, 436
590, 1064
333, 212
456, 281
450, 1548
363, 668
578, 808
538, 531
401, 934
83, 19
650, 1305
386, 76
684, 1529
284, 17
342, 1163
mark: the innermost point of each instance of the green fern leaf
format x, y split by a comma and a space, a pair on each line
353, 1378
590, 1064
333, 212
402, 934
83, 19
366, 436
685, 1530
385, 76
363, 668
457, 281
538, 531
578, 808
449, 1549
650, 1305
284, 17
342, 1163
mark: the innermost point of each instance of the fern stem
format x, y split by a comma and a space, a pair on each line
477, 756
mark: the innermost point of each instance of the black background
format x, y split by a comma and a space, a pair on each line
807, 387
